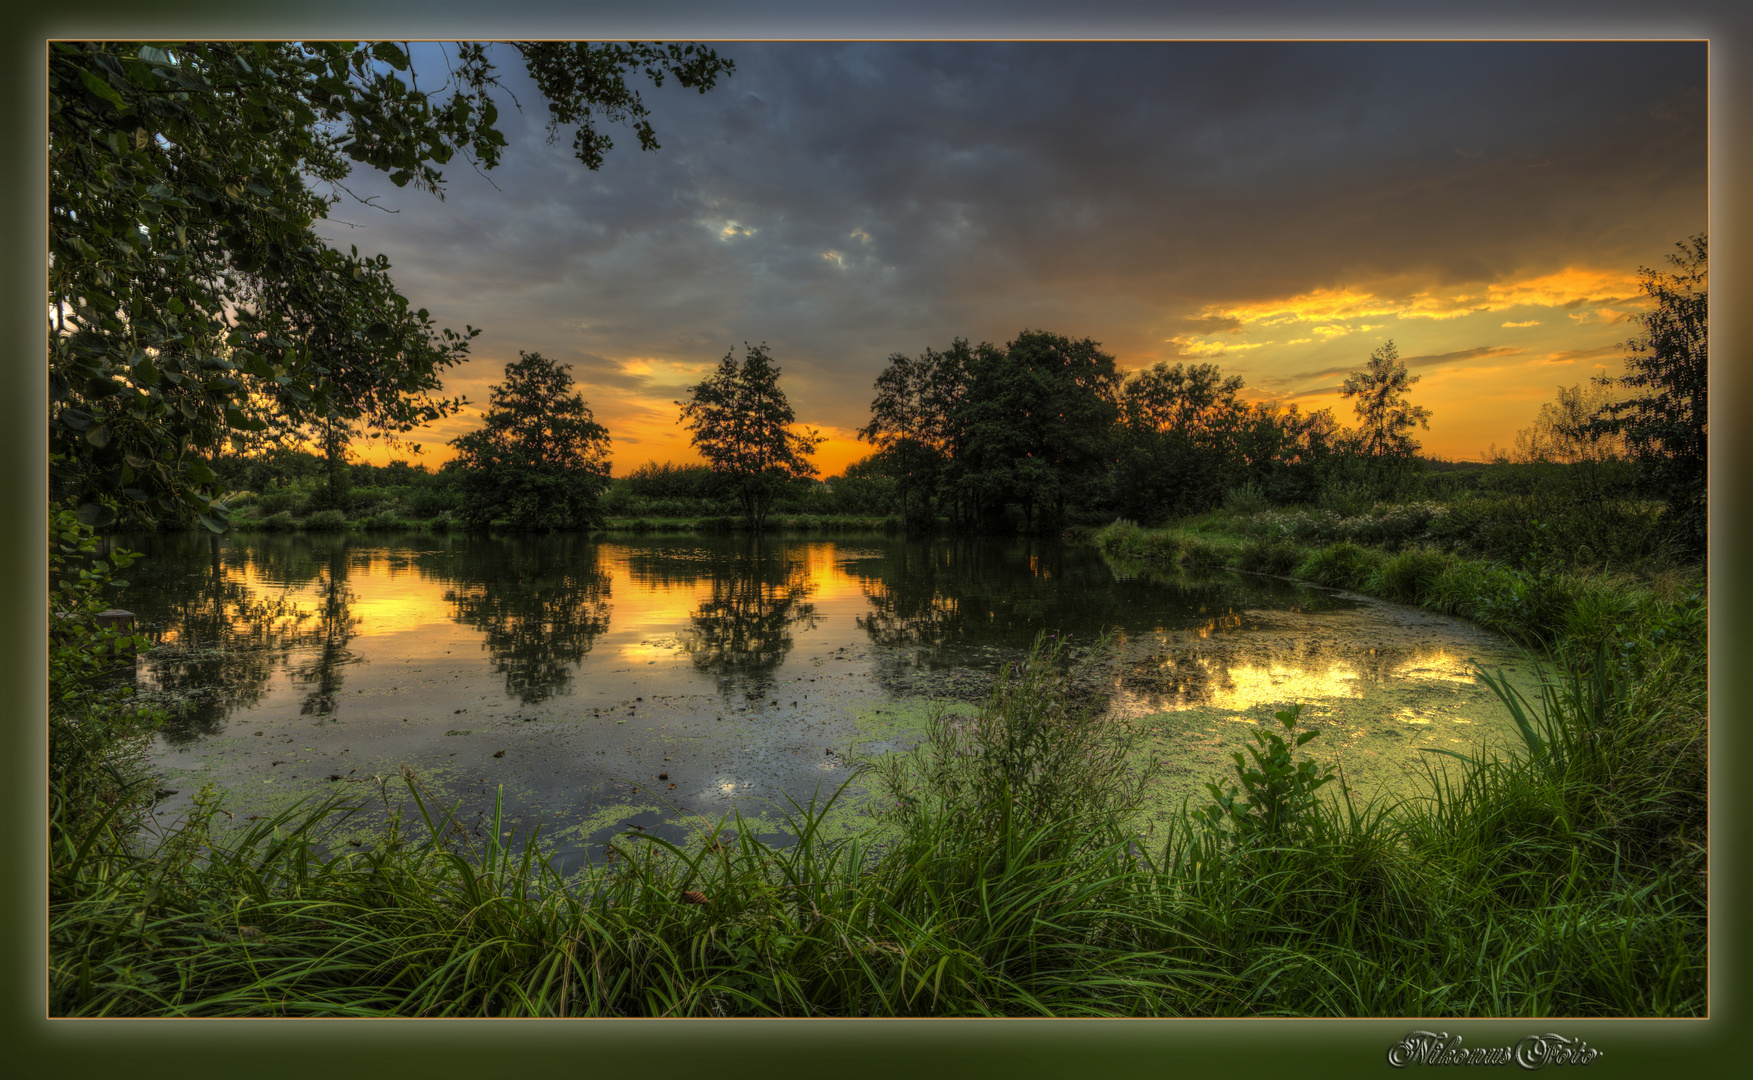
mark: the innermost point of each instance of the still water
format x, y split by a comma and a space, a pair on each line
597, 684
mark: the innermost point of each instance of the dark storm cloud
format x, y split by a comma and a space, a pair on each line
843, 201
1482, 352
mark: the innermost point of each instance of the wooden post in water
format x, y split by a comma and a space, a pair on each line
116, 619
122, 622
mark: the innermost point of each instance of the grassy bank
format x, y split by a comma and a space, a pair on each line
1007, 880
1627, 778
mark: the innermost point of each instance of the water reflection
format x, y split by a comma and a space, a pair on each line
567, 675
224, 620
539, 602
310, 608
1272, 668
320, 668
944, 593
742, 629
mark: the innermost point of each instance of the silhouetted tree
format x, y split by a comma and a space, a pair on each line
741, 422
1387, 417
1665, 427
540, 461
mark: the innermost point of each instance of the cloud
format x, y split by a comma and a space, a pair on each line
1572, 356
1602, 316
1518, 325
1138, 193
1186, 346
1329, 308
1482, 352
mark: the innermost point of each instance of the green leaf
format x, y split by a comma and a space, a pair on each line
95, 515
97, 85
99, 436
154, 55
212, 524
391, 54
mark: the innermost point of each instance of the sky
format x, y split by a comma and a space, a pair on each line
1279, 209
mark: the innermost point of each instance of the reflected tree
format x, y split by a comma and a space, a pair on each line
539, 605
219, 644
332, 628
741, 631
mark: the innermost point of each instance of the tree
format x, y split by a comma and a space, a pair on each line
1564, 431
1665, 428
910, 418
540, 461
1388, 418
742, 426
1035, 420
1178, 428
190, 297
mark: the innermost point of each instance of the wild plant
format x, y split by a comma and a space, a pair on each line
1281, 792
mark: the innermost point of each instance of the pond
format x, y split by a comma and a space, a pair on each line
593, 684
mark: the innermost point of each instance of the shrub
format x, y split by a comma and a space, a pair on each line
1281, 799
429, 502
1343, 565
286, 498
1269, 556
1347, 498
1250, 498
1200, 556
1410, 575
96, 737
1037, 757
280, 522
1598, 615
326, 521
364, 500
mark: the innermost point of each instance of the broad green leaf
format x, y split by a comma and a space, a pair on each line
96, 515
99, 86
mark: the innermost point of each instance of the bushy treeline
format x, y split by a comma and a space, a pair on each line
1046, 430
299, 489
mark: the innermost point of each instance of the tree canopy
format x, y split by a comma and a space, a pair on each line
741, 424
190, 297
1035, 420
540, 460
1665, 426
912, 417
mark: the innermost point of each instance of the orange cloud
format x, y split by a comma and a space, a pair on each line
1189, 347
1568, 288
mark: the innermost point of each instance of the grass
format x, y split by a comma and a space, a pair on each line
1007, 879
